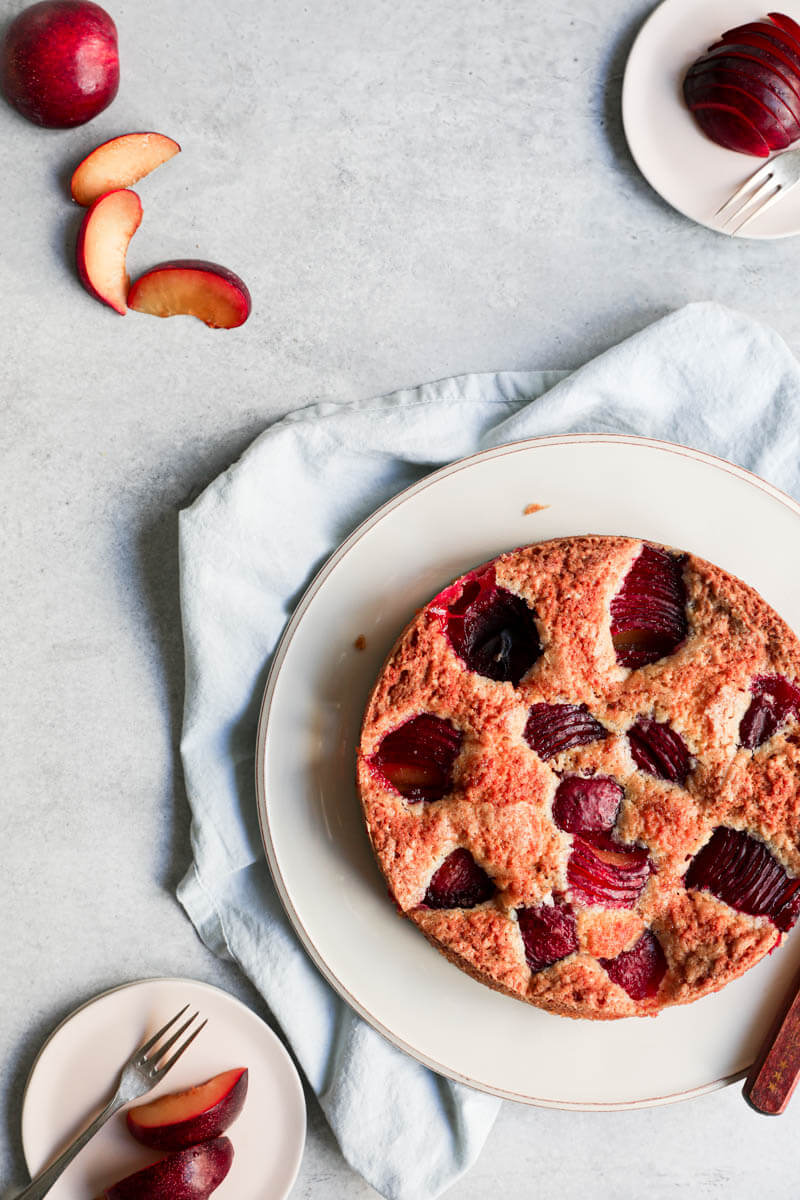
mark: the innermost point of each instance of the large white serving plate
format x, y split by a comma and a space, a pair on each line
685, 167
309, 811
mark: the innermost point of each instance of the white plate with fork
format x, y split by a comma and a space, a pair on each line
76, 1071
685, 167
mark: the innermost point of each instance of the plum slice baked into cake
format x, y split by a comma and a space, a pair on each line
579, 770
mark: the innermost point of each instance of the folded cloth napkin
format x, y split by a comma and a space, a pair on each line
704, 376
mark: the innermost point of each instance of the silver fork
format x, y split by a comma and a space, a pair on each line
763, 188
138, 1076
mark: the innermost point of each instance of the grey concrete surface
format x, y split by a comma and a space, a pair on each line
411, 189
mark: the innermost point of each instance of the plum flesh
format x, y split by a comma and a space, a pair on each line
603, 872
181, 1119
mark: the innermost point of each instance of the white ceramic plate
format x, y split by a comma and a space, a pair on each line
70, 1082
685, 167
310, 815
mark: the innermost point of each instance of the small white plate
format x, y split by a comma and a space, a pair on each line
73, 1075
310, 815
685, 167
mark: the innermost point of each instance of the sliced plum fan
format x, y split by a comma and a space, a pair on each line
658, 750
417, 758
739, 870
603, 872
553, 728
648, 613
744, 91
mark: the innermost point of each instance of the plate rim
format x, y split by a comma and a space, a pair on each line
625, 109
180, 980
279, 656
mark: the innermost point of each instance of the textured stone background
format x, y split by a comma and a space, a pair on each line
412, 189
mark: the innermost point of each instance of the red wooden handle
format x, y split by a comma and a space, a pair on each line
774, 1074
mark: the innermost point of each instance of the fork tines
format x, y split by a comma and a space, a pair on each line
770, 183
761, 190
154, 1061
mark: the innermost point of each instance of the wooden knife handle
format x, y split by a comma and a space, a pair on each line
775, 1072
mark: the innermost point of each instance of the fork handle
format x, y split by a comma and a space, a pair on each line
41, 1185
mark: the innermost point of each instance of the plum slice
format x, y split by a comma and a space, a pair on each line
787, 25
711, 95
739, 870
417, 758
602, 871
700, 82
491, 630
787, 56
586, 805
459, 883
639, 970
775, 699
190, 1174
759, 60
549, 933
657, 749
648, 613
765, 56
181, 1119
771, 30
730, 128
758, 74
553, 728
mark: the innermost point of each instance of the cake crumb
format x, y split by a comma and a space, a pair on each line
529, 509
361, 642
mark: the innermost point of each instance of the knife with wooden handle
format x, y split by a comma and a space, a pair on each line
773, 1076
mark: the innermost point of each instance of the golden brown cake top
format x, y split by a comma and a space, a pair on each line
579, 770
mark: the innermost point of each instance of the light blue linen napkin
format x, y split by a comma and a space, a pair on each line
704, 376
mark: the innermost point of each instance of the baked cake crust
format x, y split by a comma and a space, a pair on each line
678, 942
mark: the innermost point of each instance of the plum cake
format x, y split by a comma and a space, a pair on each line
579, 770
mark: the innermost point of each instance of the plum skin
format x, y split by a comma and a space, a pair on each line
200, 1127
549, 933
458, 882
417, 757
59, 64
190, 1174
762, 60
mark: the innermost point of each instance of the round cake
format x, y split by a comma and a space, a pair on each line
579, 770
